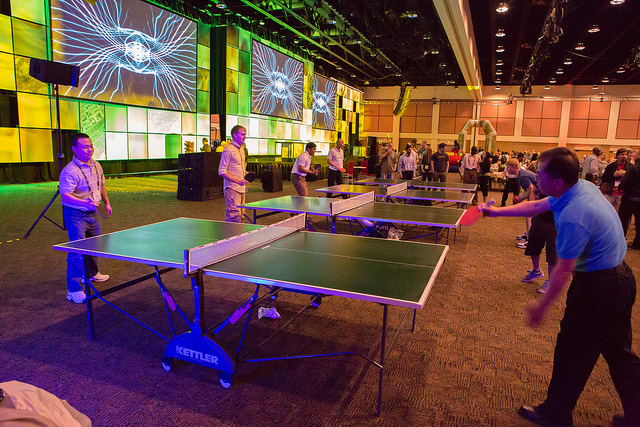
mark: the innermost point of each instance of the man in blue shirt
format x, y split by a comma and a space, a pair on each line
597, 318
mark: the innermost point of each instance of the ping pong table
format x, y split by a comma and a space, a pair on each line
401, 192
276, 258
361, 208
418, 183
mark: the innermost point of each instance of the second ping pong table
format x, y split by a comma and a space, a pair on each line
401, 192
277, 258
361, 208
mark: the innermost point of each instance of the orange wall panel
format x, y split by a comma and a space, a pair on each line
627, 129
505, 126
532, 109
577, 128
597, 128
464, 109
531, 126
629, 110
407, 124
370, 123
386, 109
507, 110
411, 110
460, 121
551, 109
371, 109
385, 124
488, 111
600, 110
423, 124
579, 110
424, 109
550, 127
447, 125
447, 109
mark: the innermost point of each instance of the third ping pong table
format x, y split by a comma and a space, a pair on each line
420, 184
401, 192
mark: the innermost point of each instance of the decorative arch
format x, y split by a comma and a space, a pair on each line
489, 131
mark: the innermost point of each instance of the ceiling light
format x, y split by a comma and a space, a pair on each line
552, 80
500, 33
594, 29
498, 87
261, 22
620, 70
559, 71
499, 62
568, 61
353, 76
409, 14
605, 79
435, 51
331, 21
221, 5
442, 65
595, 87
296, 41
616, 2
387, 66
498, 72
398, 74
579, 46
498, 81
338, 67
502, 8
547, 87
366, 83
500, 49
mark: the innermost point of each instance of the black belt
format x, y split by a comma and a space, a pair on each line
620, 268
81, 211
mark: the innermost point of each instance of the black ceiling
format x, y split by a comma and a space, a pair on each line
614, 48
390, 42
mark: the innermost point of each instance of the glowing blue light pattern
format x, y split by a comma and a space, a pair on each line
129, 52
324, 103
276, 83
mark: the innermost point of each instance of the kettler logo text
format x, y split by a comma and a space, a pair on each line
197, 355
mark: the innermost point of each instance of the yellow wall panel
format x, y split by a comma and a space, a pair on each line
7, 74
36, 145
29, 39
69, 114
6, 38
34, 110
9, 145
29, 10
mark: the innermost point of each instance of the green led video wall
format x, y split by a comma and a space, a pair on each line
151, 126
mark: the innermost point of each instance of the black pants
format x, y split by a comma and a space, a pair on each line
597, 320
628, 208
335, 178
511, 186
484, 181
407, 175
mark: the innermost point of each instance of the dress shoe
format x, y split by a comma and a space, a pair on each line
530, 413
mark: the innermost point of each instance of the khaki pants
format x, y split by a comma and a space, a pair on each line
299, 183
233, 198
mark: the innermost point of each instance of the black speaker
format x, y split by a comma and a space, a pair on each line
54, 72
198, 185
271, 180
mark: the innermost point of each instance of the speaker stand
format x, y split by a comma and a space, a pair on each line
60, 157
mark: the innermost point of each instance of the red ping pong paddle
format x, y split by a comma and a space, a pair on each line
516, 199
473, 214
343, 170
250, 177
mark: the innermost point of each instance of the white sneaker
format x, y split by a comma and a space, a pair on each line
78, 297
522, 244
100, 278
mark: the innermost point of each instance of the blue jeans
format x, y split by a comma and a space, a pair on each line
79, 226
